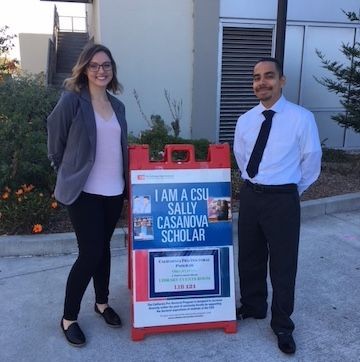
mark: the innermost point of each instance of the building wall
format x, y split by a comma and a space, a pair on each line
176, 45
206, 57
152, 42
34, 52
305, 89
93, 12
307, 30
309, 10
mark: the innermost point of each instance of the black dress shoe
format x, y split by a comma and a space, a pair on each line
286, 343
74, 334
110, 316
242, 313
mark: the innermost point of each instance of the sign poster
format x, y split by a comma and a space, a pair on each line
182, 247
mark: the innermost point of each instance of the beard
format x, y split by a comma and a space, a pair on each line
264, 93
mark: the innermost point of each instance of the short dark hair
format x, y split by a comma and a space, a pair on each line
278, 65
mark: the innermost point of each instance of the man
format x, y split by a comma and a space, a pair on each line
142, 205
279, 157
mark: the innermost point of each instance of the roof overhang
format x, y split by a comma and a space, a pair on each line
72, 1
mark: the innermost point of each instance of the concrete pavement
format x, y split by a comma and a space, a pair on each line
327, 314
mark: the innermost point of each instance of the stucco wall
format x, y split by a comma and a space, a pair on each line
206, 56
152, 42
174, 45
33, 50
299, 10
92, 12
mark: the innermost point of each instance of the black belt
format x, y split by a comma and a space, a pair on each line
286, 188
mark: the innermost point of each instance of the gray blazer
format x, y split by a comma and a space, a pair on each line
72, 142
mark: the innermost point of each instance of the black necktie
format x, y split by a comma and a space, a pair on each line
258, 151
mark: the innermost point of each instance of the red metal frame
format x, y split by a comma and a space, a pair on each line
218, 157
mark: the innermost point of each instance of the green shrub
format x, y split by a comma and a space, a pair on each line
25, 103
201, 147
333, 155
158, 136
25, 210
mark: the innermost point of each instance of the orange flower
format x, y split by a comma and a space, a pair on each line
28, 188
37, 228
19, 192
5, 195
54, 205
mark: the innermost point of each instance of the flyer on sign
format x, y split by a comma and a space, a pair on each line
182, 247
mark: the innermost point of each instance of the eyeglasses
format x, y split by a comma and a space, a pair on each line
95, 67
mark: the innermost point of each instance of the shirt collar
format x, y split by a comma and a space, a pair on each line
277, 107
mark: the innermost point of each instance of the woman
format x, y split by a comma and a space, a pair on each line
87, 145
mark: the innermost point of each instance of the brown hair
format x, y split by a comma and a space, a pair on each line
79, 80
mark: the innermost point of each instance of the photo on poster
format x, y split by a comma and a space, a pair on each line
143, 228
176, 274
219, 209
141, 204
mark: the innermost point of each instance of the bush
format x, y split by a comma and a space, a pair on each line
158, 136
340, 162
25, 210
25, 103
334, 155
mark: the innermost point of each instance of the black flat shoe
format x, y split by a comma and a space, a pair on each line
110, 316
286, 343
74, 334
242, 313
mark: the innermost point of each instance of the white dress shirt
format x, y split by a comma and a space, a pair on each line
293, 151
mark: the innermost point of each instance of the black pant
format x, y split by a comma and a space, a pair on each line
94, 218
269, 226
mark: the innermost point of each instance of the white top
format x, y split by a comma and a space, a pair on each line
141, 205
293, 151
106, 176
